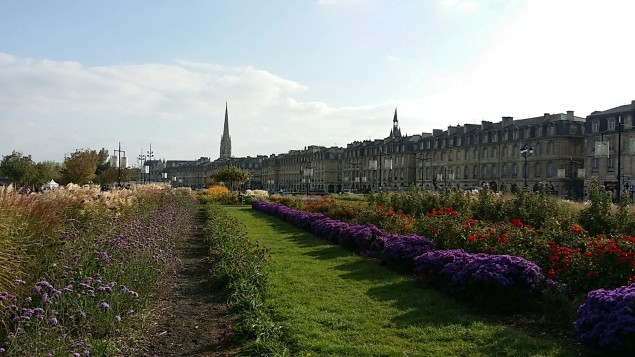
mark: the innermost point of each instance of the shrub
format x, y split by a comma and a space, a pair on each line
606, 321
500, 282
398, 251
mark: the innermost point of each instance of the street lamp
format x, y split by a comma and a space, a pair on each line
526, 151
150, 155
119, 151
142, 159
423, 160
308, 172
355, 178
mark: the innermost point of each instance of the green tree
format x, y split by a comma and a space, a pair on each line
19, 168
46, 171
103, 161
231, 175
80, 167
111, 175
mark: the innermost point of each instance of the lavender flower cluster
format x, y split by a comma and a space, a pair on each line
496, 279
490, 280
367, 239
606, 321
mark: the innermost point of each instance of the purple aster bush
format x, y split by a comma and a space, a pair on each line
399, 251
502, 282
606, 321
360, 235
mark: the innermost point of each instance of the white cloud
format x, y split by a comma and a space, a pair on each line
178, 107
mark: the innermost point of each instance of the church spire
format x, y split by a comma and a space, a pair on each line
395, 132
225, 140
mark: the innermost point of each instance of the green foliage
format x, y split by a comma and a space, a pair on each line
490, 207
80, 167
596, 218
541, 209
231, 175
238, 267
19, 168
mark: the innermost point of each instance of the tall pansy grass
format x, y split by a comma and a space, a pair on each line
94, 273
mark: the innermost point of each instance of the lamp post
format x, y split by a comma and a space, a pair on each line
423, 160
150, 155
119, 151
355, 178
619, 157
526, 151
142, 159
308, 172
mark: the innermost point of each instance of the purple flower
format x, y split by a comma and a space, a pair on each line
117, 317
606, 321
103, 305
53, 321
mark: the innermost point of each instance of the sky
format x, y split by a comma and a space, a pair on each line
77, 74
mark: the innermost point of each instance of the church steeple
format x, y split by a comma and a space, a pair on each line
395, 132
225, 140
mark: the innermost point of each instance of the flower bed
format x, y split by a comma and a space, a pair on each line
488, 279
606, 321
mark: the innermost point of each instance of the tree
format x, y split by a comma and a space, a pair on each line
80, 167
46, 171
19, 168
111, 175
230, 175
103, 162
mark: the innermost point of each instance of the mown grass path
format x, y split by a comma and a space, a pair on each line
332, 302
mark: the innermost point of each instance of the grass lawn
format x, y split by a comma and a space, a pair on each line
332, 302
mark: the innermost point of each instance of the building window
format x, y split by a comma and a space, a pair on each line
514, 170
551, 130
595, 126
494, 152
538, 131
537, 169
484, 153
550, 148
516, 134
484, 138
504, 170
527, 133
475, 154
537, 149
550, 169
610, 164
611, 124
505, 135
504, 152
515, 152
594, 164
466, 172
458, 141
495, 137
475, 172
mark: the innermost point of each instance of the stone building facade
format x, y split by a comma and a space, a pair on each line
563, 147
609, 148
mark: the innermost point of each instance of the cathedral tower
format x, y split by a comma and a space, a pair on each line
225, 140
395, 132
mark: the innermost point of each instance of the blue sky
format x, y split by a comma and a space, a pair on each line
90, 74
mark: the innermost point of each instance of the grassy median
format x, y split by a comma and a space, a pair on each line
335, 303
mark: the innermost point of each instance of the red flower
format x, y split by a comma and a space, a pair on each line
551, 273
575, 229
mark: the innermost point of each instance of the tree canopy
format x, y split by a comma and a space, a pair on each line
80, 167
19, 168
231, 175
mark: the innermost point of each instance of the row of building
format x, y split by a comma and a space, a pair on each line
561, 150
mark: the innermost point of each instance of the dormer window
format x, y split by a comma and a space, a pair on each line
611, 124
